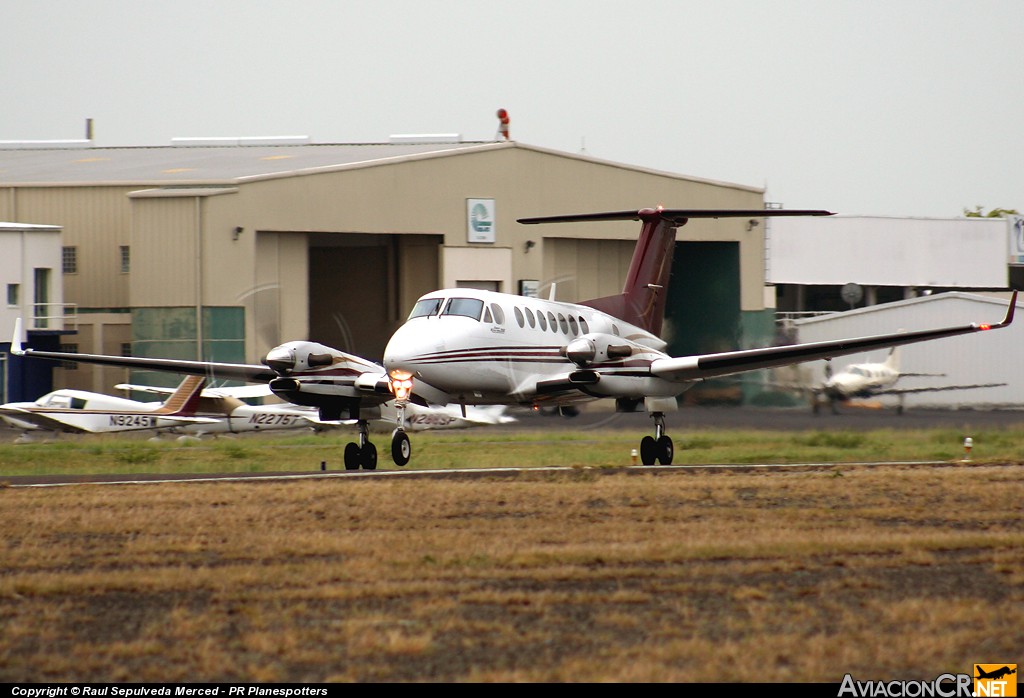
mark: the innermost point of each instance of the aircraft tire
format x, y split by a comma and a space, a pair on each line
352, 457
666, 449
368, 456
648, 450
401, 448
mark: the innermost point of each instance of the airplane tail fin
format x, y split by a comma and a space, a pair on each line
893, 360
185, 400
642, 301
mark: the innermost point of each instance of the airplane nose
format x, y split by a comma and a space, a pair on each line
409, 344
280, 359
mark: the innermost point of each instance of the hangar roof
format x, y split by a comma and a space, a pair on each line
204, 165
196, 164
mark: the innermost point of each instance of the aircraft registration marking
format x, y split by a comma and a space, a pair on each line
267, 418
132, 420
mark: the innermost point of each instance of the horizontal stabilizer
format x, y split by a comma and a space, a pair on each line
677, 215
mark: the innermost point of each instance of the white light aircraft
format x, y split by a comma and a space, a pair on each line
874, 380
190, 409
469, 347
79, 411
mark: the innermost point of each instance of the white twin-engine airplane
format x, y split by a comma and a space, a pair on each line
470, 347
876, 379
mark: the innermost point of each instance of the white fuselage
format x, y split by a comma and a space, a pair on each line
861, 380
82, 411
483, 347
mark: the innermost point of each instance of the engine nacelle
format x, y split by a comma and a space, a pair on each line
599, 348
292, 357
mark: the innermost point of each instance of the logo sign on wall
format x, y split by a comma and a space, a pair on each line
480, 220
1016, 225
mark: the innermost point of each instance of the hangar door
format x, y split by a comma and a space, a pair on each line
702, 314
362, 286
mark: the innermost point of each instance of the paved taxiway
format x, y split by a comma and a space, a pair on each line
154, 479
687, 420
690, 419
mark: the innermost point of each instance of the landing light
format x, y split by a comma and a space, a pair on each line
400, 384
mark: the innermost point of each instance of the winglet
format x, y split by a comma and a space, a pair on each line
16, 347
1009, 310
1009, 315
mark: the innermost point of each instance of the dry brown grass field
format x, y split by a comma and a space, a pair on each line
590, 574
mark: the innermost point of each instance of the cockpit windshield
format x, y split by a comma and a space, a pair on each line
425, 307
470, 307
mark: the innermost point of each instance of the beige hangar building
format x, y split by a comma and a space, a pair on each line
219, 250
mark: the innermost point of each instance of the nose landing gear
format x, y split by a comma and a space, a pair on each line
401, 386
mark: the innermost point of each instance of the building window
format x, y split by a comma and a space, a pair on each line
125, 259
13, 292
126, 348
69, 260
69, 349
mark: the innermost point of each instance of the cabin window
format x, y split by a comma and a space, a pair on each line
487, 316
469, 307
563, 324
519, 316
553, 322
542, 322
615, 330
573, 326
54, 400
530, 318
499, 314
583, 325
426, 307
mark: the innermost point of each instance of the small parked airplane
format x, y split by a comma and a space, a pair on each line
874, 380
470, 347
78, 411
190, 409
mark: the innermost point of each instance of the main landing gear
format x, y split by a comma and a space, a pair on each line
658, 447
362, 454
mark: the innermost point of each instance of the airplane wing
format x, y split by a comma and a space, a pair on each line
55, 423
690, 368
907, 391
239, 391
325, 377
41, 421
251, 373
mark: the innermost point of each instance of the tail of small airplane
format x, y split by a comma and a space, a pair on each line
642, 301
185, 400
893, 360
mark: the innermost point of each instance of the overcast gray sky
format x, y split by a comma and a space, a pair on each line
894, 107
